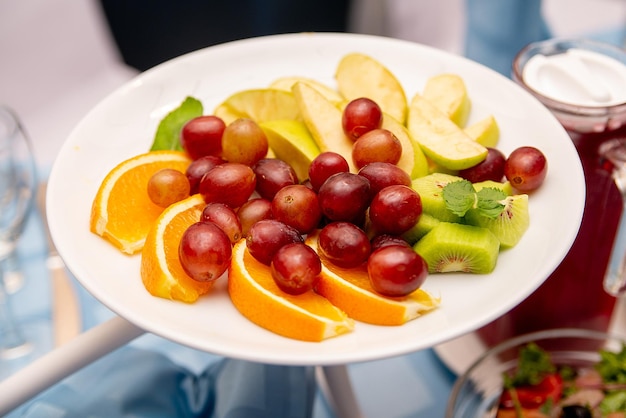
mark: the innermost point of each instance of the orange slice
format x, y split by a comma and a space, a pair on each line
161, 271
307, 317
350, 290
122, 212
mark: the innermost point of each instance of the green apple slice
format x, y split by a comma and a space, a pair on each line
292, 142
449, 94
286, 83
441, 139
261, 105
323, 119
486, 131
359, 75
412, 160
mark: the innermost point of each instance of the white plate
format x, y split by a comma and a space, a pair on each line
124, 123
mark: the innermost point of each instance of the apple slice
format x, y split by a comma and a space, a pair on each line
286, 83
486, 131
227, 113
441, 139
360, 75
323, 119
291, 141
412, 160
260, 105
449, 94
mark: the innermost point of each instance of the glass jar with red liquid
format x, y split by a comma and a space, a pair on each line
583, 83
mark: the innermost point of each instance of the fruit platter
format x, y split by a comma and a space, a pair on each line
218, 314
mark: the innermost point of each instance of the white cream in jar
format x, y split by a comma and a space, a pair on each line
578, 77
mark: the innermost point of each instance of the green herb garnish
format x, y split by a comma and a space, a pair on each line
612, 366
461, 196
533, 366
167, 136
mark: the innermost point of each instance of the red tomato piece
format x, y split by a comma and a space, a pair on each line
551, 387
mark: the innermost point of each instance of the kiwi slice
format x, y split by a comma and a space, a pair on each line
425, 223
510, 225
504, 186
452, 247
430, 189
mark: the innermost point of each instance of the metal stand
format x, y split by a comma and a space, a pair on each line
113, 334
65, 360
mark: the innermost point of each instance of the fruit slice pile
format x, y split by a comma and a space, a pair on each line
416, 180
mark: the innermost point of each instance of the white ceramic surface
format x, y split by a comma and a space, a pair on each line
123, 125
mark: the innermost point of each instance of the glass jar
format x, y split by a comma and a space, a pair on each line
574, 295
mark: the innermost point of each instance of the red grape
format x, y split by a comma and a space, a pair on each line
202, 136
325, 165
225, 217
268, 236
526, 168
167, 186
199, 168
396, 271
381, 175
360, 116
344, 244
385, 240
491, 168
204, 251
395, 209
297, 206
345, 197
244, 142
253, 211
229, 183
272, 175
295, 268
376, 145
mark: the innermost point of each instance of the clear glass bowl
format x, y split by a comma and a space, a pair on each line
575, 118
475, 394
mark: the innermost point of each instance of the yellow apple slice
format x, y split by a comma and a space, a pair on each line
486, 132
291, 141
412, 160
449, 94
441, 139
360, 75
227, 113
286, 83
323, 119
261, 105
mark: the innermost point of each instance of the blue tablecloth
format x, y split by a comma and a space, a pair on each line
155, 377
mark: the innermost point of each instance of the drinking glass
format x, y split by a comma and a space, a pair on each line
17, 191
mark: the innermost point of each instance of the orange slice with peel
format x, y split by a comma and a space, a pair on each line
307, 317
161, 271
121, 211
350, 290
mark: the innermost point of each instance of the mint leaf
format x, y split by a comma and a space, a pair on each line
460, 196
167, 136
489, 201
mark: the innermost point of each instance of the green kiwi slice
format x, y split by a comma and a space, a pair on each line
424, 224
504, 186
452, 247
510, 225
430, 189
